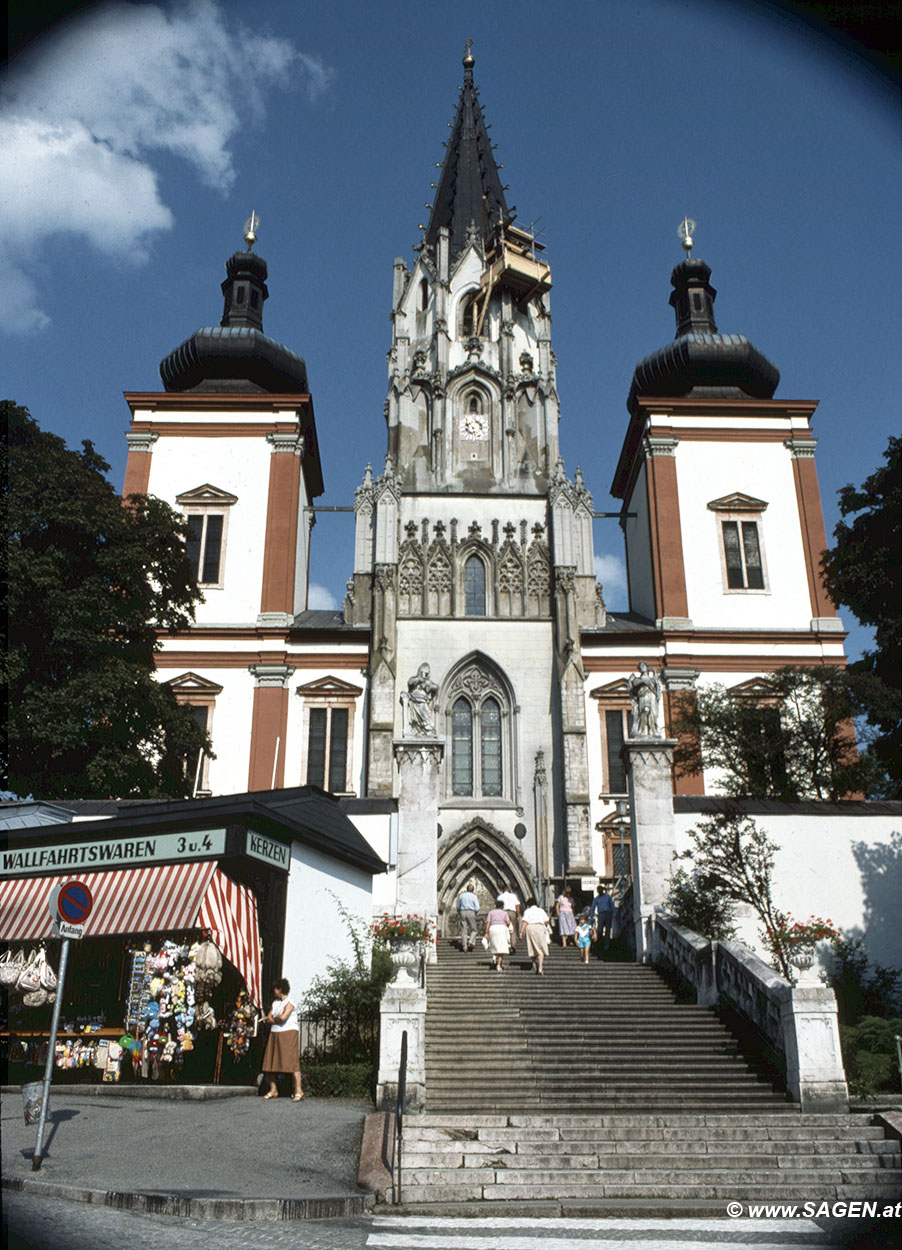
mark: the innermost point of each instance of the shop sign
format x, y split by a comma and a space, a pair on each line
127, 852
588, 883
277, 854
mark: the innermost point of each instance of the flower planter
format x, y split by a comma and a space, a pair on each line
404, 954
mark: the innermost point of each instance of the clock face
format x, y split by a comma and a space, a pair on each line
474, 425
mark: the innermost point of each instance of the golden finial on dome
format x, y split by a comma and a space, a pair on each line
686, 230
250, 230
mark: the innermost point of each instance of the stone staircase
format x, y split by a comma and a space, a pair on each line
593, 1091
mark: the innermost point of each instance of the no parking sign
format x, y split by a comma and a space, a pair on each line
70, 906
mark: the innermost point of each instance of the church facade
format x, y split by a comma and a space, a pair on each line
473, 618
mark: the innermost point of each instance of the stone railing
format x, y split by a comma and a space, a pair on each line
797, 1025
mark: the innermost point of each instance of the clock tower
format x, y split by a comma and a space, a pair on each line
474, 549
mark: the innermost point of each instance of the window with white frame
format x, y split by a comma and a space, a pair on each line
328, 733
206, 510
199, 694
739, 518
613, 715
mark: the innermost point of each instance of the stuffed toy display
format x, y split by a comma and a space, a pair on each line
240, 1026
168, 1022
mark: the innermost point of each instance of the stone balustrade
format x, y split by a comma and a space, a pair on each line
798, 1023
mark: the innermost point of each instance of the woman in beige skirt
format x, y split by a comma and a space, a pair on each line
534, 923
282, 1052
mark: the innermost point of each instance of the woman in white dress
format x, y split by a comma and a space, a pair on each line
497, 930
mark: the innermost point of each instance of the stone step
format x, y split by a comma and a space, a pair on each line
748, 1160
563, 1183
887, 1151
571, 1124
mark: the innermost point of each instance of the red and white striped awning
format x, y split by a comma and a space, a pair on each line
147, 900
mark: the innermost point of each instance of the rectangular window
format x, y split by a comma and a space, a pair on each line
316, 748
203, 546
327, 749
338, 750
614, 734
491, 748
742, 555
620, 859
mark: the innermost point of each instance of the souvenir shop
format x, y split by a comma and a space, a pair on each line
185, 929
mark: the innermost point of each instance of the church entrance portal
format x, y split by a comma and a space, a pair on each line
485, 856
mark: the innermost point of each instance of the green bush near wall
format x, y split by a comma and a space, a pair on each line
339, 1080
870, 1056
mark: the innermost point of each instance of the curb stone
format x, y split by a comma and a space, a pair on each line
236, 1209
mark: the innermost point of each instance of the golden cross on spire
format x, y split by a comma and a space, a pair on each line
469, 46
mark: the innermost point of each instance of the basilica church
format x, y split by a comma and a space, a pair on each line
474, 636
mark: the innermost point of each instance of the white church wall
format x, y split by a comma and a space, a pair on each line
316, 935
380, 831
239, 466
846, 868
523, 651
763, 471
638, 551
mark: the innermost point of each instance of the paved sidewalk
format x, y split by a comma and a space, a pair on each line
236, 1157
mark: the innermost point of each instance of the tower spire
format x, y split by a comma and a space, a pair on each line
469, 187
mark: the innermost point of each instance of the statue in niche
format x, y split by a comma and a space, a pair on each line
645, 693
417, 703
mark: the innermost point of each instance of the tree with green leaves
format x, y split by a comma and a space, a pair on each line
91, 581
733, 861
863, 571
789, 737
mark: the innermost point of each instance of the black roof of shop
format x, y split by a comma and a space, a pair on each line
304, 813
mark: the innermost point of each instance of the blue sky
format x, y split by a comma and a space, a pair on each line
136, 139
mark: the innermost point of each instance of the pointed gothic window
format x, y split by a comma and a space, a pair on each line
490, 727
462, 748
474, 587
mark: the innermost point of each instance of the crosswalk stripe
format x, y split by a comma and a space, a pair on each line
496, 1241
599, 1223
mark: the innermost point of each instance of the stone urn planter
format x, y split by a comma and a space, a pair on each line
405, 956
804, 959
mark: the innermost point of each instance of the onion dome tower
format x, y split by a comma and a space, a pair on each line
701, 362
236, 356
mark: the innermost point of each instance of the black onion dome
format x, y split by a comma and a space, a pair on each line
700, 361
236, 356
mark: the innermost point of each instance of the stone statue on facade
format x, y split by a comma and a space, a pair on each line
418, 703
645, 693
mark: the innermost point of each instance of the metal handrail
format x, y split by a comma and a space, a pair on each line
399, 1124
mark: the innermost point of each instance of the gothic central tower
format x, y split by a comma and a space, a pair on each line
474, 551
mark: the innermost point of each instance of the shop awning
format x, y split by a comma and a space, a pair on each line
147, 900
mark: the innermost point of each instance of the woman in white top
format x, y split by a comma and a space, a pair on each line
534, 923
282, 1052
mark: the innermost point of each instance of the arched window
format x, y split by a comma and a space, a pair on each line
474, 402
474, 587
462, 748
479, 711
424, 295
469, 315
487, 780
490, 732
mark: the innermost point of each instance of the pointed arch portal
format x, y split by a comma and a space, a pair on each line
478, 852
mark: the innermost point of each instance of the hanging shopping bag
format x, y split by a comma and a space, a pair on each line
30, 976
11, 967
48, 976
36, 998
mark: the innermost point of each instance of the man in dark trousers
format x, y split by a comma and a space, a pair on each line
601, 915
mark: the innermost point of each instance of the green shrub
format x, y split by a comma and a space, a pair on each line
339, 1080
869, 1055
701, 905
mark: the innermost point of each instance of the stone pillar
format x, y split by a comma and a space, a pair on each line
419, 762
403, 1009
649, 767
815, 1077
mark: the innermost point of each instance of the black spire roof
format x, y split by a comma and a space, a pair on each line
469, 188
236, 356
700, 361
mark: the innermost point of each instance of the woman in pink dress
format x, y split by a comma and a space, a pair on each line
563, 909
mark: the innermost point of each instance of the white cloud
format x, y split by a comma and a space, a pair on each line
320, 597
86, 118
611, 572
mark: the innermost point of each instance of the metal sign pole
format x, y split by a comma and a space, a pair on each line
51, 1055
